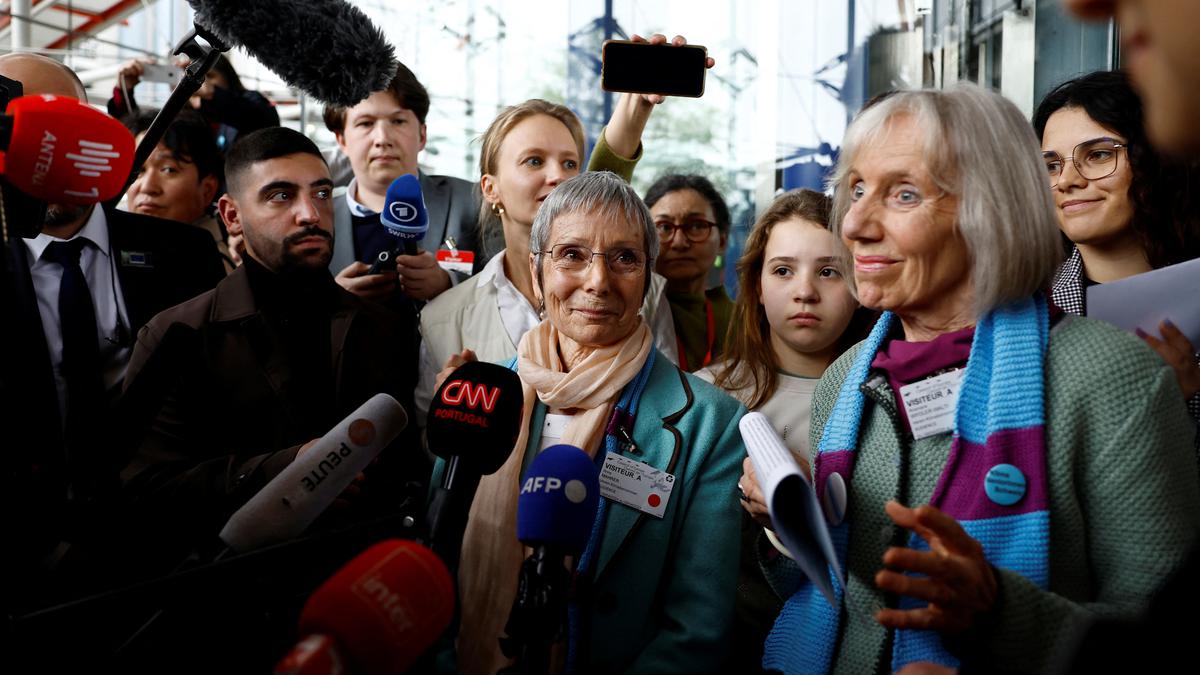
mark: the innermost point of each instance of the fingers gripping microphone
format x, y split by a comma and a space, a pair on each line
343, 59
555, 513
474, 420
63, 151
404, 216
377, 615
292, 500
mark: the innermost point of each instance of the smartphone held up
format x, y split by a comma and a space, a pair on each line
643, 68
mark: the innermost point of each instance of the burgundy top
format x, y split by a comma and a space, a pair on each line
908, 362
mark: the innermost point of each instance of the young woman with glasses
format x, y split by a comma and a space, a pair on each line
1125, 209
692, 222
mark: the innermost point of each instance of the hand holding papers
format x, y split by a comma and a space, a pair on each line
795, 512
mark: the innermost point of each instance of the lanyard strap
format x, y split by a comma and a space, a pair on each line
710, 334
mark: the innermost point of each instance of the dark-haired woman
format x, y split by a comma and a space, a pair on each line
794, 316
693, 224
1125, 209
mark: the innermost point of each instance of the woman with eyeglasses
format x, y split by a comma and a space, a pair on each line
653, 591
693, 223
1125, 209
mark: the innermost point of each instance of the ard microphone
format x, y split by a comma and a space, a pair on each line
555, 513
473, 423
292, 500
62, 151
404, 217
327, 48
375, 616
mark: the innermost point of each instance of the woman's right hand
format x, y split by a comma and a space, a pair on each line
452, 364
131, 72
752, 497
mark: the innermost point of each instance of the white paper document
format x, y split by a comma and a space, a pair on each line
792, 502
1144, 300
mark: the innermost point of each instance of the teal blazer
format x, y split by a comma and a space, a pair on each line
661, 597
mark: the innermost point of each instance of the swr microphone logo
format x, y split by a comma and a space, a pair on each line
474, 395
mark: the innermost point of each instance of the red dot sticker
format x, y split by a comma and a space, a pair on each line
654, 501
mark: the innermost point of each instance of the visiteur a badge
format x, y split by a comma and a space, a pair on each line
930, 403
636, 484
456, 261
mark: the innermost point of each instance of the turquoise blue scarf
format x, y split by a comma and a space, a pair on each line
999, 426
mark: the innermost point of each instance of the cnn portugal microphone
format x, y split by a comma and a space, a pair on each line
404, 217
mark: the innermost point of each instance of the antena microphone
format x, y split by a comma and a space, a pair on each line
555, 513
293, 499
473, 423
378, 614
63, 151
404, 216
327, 48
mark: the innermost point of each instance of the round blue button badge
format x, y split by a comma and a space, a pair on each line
1005, 484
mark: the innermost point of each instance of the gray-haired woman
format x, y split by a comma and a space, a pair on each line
1046, 487
654, 589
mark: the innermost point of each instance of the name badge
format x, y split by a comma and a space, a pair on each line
456, 260
636, 484
930, 403
137, 259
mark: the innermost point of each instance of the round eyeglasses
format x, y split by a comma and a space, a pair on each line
574, 258
1093, 160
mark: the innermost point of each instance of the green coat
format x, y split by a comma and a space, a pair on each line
662, 595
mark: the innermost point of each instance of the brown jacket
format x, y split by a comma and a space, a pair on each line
220, 416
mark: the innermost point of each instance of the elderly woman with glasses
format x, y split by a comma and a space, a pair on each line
1125, 208
693, 224
987, 485
654, 589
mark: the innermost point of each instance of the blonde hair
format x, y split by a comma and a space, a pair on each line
979, 148
497, 131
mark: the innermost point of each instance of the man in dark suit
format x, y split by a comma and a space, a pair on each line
272, 358
382, 136
79, 291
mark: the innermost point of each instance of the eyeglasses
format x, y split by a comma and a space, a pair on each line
695, 229
1093, 160
573, 259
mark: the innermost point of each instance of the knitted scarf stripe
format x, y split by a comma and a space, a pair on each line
999, 419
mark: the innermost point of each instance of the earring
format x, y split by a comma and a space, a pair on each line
497, 210
542, 309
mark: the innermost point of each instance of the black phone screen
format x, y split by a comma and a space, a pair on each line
653, 69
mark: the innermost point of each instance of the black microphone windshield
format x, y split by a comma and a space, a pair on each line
476, 416
327, 48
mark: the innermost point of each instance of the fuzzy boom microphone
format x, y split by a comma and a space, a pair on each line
327, 48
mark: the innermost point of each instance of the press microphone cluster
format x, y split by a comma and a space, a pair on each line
555, 513
405, 217
375, 616
293, 499
474, 420
62, 151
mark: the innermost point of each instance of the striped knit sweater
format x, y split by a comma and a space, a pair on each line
1124, 499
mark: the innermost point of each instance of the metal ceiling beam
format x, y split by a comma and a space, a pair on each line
103, 19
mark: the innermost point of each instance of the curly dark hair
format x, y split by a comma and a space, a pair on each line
1165, 216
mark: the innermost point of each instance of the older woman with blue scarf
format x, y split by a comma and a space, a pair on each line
1046, 460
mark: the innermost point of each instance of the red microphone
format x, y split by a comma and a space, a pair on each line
62, 151
375, 616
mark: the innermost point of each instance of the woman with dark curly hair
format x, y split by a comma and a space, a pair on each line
1125, 208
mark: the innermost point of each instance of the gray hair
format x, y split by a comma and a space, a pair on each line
979, 148
591, 192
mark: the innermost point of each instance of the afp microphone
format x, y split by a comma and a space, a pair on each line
293, 499
375, 616
404, 217
474, 420
555, 513
62, 151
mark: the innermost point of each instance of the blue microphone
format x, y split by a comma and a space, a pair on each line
404, 216
555, 513
558, 500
